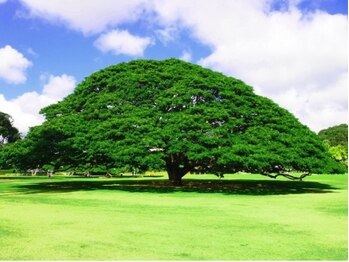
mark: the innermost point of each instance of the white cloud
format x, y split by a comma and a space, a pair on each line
22, 119
320, 107
122, 42
88, 16
93, 17
59, 87
168, 34
25, 108
13, 65
186, 56
286, 50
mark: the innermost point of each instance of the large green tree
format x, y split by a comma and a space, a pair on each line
176, 116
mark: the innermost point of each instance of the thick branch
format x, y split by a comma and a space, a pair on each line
291, 177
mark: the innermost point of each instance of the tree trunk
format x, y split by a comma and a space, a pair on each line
175, 177
35, 171
177, 166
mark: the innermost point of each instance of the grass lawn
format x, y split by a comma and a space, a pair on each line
241, 217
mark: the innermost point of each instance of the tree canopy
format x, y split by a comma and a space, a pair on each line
335, 135
173, 115
336, 138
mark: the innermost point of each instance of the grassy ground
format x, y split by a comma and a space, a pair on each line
241, 217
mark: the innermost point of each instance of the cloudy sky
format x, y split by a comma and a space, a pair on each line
292, 51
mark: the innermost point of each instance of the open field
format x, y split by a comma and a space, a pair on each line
241, 217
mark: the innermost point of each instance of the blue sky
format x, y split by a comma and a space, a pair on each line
294, 52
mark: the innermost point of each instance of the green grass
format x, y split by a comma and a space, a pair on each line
241, 217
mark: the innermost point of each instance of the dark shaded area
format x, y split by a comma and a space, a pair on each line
239, 187
16, 177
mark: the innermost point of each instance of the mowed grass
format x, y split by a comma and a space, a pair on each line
241, 217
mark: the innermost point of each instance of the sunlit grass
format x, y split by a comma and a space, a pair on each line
241, 217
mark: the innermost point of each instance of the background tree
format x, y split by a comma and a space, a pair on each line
339, 153
336, 138
8, 133
176, 116
335, 135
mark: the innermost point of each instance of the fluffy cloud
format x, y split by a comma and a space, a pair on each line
186, 56
25, 108
319, 108
168, 34
93, 17
59, 87
13, 65
88, 16
122, 42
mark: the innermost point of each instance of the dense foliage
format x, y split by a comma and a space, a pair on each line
8, 133
336, 138
172, 115
335, 135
